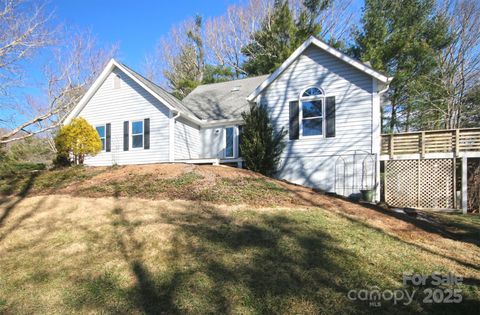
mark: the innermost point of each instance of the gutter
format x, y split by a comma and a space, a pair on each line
176, 115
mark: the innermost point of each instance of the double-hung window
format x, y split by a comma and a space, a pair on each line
102, 135
137, 134
311, 112
229, 142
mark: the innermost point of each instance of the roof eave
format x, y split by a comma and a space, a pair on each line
312, 40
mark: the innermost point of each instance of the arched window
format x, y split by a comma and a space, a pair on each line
311, 112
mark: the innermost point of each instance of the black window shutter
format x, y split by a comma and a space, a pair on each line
330, 116
146, 131
125, 136
108, 144
293, 130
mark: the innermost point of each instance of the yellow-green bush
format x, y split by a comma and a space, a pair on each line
77, 140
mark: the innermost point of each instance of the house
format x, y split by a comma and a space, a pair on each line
328, 102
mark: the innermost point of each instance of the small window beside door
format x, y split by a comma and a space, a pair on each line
229, 142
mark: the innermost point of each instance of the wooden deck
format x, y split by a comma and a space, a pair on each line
424, 144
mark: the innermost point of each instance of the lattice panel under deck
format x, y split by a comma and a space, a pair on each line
426, 183
436, 183
401, 183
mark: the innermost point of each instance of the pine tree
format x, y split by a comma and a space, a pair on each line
187, 68
402, 38
280, 35
260, 145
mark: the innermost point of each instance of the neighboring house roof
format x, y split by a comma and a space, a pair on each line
224, 100
320, 44
166, 98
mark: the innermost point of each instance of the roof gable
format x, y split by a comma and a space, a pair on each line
320, 44
163, 96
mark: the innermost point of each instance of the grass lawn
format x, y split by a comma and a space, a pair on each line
66, 254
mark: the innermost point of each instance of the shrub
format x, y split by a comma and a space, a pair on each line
260, 145
62, 160
35, 149
77, 140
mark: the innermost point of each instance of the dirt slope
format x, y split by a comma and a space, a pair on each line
232, 186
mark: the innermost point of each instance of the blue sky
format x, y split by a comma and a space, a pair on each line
135, 25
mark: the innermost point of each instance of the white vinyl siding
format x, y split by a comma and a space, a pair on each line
130, 102
311, 160
213, 142
187, 141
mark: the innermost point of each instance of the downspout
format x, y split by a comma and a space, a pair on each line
171, 144
176, 116
384, 90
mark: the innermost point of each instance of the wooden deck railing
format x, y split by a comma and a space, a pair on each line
436, 141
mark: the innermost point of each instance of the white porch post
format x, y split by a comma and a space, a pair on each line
464, 185
376, 135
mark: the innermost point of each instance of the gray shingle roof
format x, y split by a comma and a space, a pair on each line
172, 100
224, 100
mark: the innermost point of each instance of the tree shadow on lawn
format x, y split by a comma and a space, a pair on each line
466, 232
25, 189
216, 263
422, 248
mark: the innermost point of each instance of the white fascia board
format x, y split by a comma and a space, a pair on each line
191, 118
91, 91
312, 40
222, 122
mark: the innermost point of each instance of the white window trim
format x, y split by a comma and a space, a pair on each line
235, 142
131, 134
105, 138
300, 112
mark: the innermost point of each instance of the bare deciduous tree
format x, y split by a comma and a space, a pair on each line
458, 67
73, 68
179, 58
227, 34
24, 30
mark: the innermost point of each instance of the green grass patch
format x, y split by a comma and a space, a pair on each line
187, 186
146, 185
26, 181
191, 186
244, 190
465, 227
3, 304
101, 292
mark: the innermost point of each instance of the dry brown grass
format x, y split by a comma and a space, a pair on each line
208, 239
62, 254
